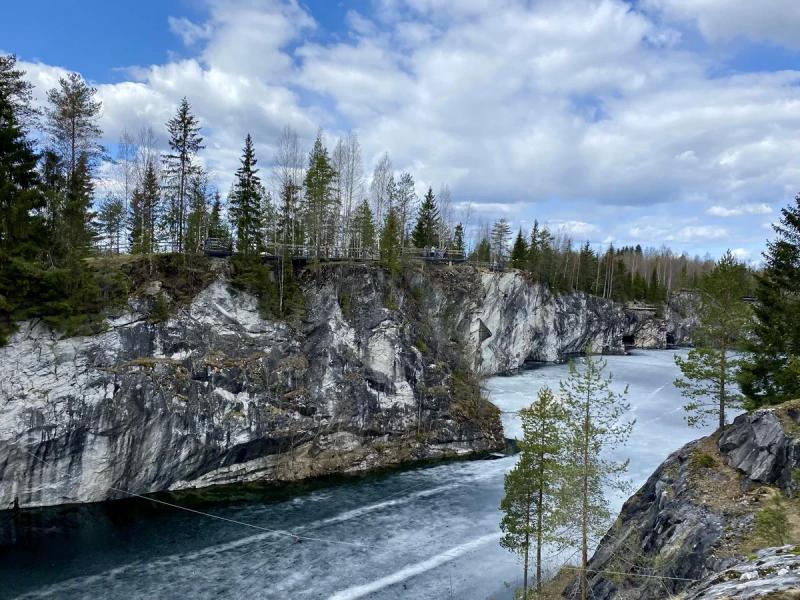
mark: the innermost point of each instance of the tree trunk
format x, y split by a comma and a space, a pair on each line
527, 549
585, 505
723, 367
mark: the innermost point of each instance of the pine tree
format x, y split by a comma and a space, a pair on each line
425, 231
519, 252
532, 500
72, 123
499, 238
244, 202
179, 168
319, 198
709, 371
390, 242
771, 373
595, 414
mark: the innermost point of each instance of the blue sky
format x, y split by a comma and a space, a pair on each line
670, 122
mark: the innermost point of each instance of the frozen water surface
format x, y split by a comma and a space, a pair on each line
422, 533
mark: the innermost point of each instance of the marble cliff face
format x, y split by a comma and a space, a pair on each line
378, 373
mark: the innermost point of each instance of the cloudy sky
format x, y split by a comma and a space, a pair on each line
653, 121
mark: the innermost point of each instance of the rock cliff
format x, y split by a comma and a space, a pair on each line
379, 372
697, 515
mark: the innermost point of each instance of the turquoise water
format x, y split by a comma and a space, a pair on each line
421, 533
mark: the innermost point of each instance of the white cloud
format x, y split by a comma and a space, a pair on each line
699, 233
576, 229
773, 21
595, 103
743, 209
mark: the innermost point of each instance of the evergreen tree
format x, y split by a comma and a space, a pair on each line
771, 373
319, 195
530, 506
217, 227
179, 168
72, 124
197, 222
405, 200
709, 371
519, 252
425, 231
482, 252
21, 229
111, 222
76, 230
499, 238
244, 202
390, 242
290, 227
458, 241
595, 414
363, 239
144, 213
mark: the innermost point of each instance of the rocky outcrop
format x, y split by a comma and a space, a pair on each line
380, 372
694, 517
216, 394
771, 573
665, 326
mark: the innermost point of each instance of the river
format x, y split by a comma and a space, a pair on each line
427, 532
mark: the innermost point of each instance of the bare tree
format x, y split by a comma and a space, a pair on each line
378, 188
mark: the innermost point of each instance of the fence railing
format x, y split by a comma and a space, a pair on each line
222, 247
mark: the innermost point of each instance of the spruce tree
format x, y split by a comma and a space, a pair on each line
21, 229
519, 252
319, 195
244, 202
217, 227
197, 221
532, 500
425, 231
709, 371
144, 213
363, 239
771, 373
390, 242
458, 241
595, 414
110, 222
179, 168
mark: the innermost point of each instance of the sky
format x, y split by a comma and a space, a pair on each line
673, 122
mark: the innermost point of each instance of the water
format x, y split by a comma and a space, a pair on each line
422, 533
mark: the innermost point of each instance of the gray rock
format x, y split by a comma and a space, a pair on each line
773, 571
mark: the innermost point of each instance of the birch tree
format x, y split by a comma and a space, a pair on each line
378, 187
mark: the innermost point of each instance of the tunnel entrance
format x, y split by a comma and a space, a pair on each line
628, 340
670, 340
